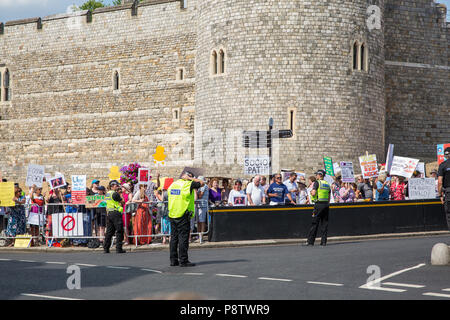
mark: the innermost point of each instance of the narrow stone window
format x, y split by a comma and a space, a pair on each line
176, 114
362, 57
180, 74
1, 86
6, 89
213, 63
364, 62
221, 61
291, 119
116, 80
355, 55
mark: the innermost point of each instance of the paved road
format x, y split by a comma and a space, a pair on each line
338, 271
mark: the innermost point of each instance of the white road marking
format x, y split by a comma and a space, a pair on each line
27, 261
5, 259
151, 270
440, 295
375, 284
231, 275
385, 289
47, 297
403, 285
326, 283
274, 279
55, 262
85, 265
193, 273
114, 267
448, 289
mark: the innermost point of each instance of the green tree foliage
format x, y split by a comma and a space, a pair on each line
92, 5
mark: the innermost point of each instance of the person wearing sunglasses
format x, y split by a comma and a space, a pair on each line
277, 191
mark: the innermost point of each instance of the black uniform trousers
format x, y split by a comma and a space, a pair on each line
320, 215
114, 224
179, 238
447, 206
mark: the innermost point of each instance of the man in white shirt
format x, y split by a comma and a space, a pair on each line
292, 186
255, 192
237, 196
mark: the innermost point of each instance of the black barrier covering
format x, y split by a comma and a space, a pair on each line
345, 219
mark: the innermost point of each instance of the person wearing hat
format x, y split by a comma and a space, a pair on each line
114, 223
444, 183
181, 209
321, 191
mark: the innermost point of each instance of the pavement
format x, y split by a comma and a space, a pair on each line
229, 244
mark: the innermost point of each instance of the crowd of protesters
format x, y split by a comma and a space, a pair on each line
145, 213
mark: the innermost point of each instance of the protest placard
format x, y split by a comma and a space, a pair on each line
347, 172
368, 165
35, 175
96, 201
57, 182
440, 152
422, 188
7, 194
402, 166
328, 163
421, 169
79, 189
256, 165
389, 158
22, 241
144, 176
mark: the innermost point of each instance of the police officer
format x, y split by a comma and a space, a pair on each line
320, 195
114, 223
444, 184
181, 210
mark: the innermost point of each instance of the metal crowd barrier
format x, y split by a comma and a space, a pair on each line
56, 221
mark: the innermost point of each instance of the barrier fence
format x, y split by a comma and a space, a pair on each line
143, 222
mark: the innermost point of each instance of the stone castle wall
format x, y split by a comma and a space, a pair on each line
291, 54
417, 78
65, 113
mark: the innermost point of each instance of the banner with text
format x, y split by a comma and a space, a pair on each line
422, 188
79, 189
256, 165
368, 165
347, 172
402, 166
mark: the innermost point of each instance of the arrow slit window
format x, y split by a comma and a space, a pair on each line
291, 119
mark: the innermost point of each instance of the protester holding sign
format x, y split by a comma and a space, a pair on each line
398, 188
381, 188
237, 197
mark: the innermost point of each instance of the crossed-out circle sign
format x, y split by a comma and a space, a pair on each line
69, 225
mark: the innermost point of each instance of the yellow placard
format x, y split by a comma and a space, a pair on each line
22, 241
114, 173
7, 194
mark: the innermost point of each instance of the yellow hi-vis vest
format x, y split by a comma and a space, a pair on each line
324, 190
112, 205
181, 199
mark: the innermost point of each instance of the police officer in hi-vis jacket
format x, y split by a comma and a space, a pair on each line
321, 194
181, 210
114, 222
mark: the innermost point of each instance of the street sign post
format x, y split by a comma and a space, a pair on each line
263, 139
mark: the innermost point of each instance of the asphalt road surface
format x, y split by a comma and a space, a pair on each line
368, 270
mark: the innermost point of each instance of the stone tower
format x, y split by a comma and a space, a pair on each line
291, 60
